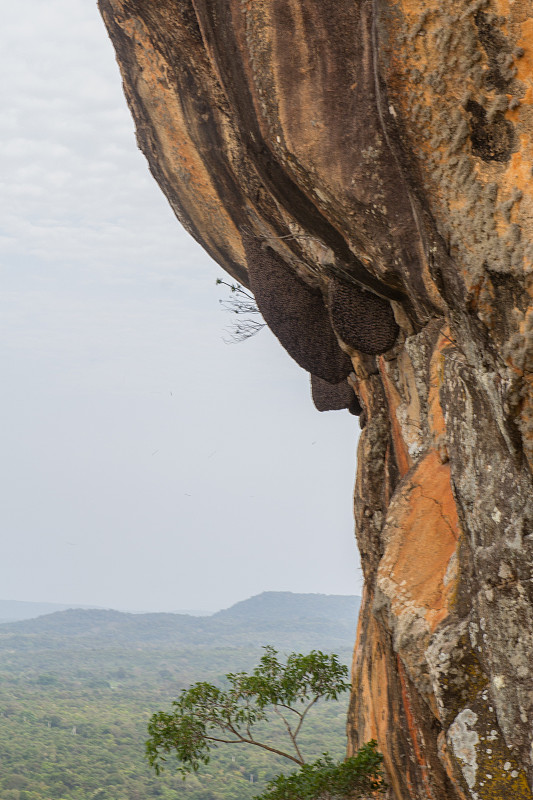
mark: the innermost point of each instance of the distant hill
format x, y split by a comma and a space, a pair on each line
277, 605
14, 610
278, 618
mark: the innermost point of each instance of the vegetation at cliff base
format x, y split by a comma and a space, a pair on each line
354, 777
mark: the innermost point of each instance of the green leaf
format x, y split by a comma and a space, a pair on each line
353, 778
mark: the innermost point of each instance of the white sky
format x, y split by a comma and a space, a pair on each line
145, 463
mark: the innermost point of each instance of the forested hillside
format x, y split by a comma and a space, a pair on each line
78, 687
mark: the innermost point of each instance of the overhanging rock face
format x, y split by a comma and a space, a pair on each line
365, 167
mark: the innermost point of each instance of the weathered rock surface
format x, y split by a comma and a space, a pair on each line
366, 168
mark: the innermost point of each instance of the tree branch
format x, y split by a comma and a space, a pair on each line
244, 740
302, 716
289, 708
289, 731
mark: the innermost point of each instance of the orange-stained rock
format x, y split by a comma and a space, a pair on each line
385, 147
418, 570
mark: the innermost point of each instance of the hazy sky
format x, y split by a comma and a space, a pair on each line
145, 463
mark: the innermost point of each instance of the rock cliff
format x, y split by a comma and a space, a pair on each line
365, 169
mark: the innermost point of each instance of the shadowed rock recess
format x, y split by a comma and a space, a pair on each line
364, 166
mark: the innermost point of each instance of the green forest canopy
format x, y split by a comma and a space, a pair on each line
77, 689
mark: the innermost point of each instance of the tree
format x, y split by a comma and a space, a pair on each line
205, 716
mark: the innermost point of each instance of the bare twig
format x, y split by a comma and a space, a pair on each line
241, 302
